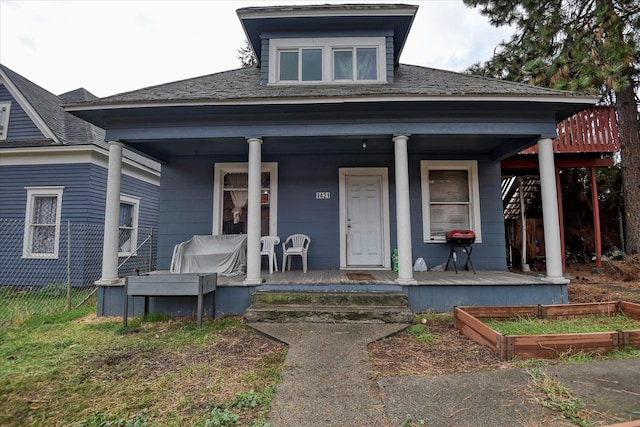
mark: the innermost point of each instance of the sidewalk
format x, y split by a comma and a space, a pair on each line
328, 381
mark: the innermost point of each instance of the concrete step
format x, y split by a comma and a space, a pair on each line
362, 307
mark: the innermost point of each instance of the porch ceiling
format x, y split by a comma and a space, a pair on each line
476, 145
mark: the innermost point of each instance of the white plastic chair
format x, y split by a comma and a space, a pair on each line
299, 245
268, 244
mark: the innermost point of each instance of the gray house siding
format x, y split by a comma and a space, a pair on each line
186, 206
20, 125
83, 203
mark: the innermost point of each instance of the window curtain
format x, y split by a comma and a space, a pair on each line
239, 197
343, 65
126, 227
367, 64
44, 225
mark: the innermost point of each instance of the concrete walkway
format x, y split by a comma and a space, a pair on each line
328, 381
327, 378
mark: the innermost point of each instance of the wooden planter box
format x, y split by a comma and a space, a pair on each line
552, 345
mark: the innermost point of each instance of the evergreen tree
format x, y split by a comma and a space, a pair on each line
246, 56
579, 45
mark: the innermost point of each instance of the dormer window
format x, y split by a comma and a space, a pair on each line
355, 64
327, 60
301, 65
5, 108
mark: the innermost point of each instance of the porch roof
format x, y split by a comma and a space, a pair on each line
202, 115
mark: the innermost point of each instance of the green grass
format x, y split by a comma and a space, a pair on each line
17, 306
591, 323
74, 370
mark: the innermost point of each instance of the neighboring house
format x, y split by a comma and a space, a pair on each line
53, 170
332, 137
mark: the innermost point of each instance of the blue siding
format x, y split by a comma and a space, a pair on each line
390, 65
187, 205
83, 203
444, 298
264, 62
20, 125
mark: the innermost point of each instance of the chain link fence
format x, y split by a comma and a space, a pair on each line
59, 277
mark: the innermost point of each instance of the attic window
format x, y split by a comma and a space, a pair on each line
327, 60
5, 108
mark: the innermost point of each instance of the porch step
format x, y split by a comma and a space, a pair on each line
329, 307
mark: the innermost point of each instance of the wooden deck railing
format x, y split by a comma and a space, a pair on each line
593, 130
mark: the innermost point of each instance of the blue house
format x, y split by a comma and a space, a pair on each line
53, 172
331, 136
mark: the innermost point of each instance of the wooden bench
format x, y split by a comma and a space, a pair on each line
178, 285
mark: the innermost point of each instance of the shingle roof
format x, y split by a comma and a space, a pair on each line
321, 7
67, 128
244, 85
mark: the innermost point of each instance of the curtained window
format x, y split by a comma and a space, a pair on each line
325, 60
5, 109
230, 195
128, 225
42, 222
365, 60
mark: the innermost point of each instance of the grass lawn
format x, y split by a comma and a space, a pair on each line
73, 369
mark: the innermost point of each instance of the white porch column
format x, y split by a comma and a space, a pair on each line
112, 216
253, 212
550, 217
403, 211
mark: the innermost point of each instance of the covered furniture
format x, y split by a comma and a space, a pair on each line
296, 244
222, 254
267, 247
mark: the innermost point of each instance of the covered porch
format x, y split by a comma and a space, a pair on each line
432, 291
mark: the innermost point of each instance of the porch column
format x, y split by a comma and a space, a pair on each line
253, 213
550, 217
403, 211
112, 216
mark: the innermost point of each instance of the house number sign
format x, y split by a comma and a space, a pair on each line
323, 195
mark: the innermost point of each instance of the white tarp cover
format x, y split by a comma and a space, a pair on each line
224, 254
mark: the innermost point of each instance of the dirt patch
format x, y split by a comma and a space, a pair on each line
454, 353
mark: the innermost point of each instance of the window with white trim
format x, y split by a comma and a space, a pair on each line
42, 222
5, 109
327, 60
230, 198
128, 225
450, 198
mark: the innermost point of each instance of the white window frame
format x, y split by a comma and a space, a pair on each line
32, 194
5, 109
328, 46
471, 166
220, 169
135, 202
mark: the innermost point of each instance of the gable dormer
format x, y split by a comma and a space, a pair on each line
327, 44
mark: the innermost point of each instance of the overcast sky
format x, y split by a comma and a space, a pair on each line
114, 46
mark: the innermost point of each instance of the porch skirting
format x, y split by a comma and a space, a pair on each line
433, 291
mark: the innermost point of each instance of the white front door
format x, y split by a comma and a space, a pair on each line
364, 220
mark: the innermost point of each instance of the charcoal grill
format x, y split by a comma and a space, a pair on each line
463, 239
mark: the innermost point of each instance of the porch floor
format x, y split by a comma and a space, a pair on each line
386, 277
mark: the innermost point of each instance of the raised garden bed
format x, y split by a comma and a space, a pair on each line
467, 320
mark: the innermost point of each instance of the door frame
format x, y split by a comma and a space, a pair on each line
383, 173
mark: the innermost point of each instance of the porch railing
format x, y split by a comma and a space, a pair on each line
593, 130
